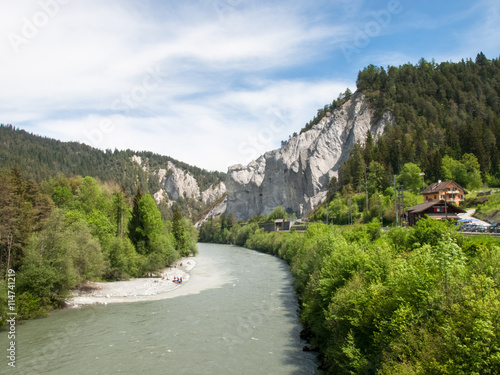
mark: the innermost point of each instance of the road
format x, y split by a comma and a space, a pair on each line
468, 215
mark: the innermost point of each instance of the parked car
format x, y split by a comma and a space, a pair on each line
494, 228
468, 227
464, 227
480, 229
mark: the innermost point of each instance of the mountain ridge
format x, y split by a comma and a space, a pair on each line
41, 158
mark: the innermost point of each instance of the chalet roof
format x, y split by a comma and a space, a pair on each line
422, 207
436, 187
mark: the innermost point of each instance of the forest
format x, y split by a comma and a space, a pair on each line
447, 127
42, 158
65, 231
441, 111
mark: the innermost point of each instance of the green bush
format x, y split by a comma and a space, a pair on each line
30, 306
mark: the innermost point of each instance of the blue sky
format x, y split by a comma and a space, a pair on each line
212, 82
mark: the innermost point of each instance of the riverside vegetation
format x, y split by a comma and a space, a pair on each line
423, 300
67, 231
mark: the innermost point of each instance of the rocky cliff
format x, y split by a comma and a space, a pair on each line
296, 175
213, 193
177, 183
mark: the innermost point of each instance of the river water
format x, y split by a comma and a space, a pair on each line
236, 315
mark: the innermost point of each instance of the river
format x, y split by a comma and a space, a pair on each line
237, 315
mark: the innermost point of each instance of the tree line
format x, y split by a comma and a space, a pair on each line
67, 230
442, 111
371, 193
225, 229
41, 158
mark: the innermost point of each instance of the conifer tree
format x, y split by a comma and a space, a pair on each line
134, 233
122, 210
178, 229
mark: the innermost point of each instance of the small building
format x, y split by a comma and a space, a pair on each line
448, 191
277, 225
439, 210
268, 227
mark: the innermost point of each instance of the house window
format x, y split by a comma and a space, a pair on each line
435, 196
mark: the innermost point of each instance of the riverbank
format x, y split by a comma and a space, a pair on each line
133, 290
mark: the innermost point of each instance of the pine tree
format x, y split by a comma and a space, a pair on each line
121, 210
178, 229
134, 232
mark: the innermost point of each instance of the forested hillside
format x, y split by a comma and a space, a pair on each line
68, 230
41, 158
442, 110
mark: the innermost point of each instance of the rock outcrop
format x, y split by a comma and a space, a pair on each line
177, 183
217, 210
213, 193
296, 175
160, 196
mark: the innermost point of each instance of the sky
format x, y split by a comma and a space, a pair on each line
212, 83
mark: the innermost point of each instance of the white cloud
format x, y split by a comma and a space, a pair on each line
206, 134
213, 89
195, 80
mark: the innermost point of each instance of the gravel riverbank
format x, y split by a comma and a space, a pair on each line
133, 290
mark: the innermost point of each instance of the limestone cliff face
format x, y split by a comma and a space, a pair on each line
217, 210
213, 193
296, 175
177, 183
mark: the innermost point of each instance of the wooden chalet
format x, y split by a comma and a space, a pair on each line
438, 209
448, 191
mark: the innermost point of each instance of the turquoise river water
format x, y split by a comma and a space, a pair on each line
236, 315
